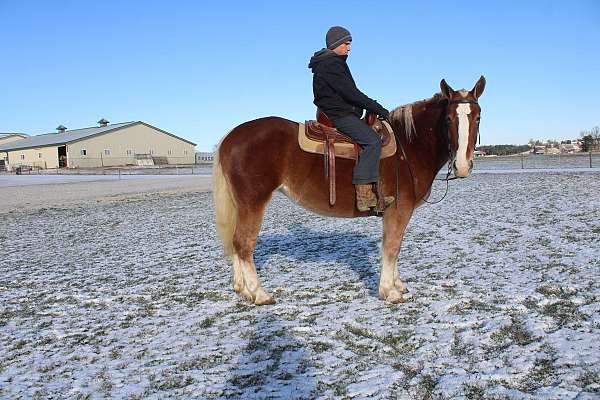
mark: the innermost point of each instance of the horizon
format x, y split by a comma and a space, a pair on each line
199, 70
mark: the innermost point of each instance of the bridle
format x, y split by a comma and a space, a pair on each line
450, 155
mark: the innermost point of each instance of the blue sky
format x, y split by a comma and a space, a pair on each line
198, 69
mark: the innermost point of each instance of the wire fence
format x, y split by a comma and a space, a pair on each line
538, 161
154, 170
522, 161
137, 160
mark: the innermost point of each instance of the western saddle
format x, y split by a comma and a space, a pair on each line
321, 137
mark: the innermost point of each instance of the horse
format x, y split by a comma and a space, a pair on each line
261, 156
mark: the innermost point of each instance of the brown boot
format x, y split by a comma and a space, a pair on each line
365, 197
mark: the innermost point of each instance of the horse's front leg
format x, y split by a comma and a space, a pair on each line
391, 286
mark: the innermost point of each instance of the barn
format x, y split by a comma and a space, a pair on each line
6, 138
105, 145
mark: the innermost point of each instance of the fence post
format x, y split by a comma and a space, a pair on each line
522, 158
119, 173
590, 159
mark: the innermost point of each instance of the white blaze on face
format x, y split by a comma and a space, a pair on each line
462, 164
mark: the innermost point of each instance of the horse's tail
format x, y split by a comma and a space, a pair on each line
225, 209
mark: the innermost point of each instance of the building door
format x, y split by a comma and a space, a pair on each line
62, 156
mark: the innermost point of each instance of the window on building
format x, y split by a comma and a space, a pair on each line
83, 152
185, 152
151, 151
107, 152
169, 152
129, 152
39, 155
22, 156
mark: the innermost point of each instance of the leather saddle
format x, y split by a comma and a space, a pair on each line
320, 137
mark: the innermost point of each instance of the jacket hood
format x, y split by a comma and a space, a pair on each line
323, 54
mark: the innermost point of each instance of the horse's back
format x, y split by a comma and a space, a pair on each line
256, 154
259, 137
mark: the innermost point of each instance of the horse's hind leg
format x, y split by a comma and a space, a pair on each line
246, 281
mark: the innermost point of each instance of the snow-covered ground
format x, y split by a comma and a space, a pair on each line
28, 180
132, 299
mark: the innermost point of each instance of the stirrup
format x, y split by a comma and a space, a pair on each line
381, 199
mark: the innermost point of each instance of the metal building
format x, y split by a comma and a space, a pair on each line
127, 143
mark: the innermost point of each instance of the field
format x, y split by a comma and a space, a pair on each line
125, 294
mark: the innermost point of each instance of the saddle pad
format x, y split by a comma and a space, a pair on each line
343, 150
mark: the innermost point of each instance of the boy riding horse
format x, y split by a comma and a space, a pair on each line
337, 96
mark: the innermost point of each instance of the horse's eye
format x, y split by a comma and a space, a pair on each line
448, 120
478, 119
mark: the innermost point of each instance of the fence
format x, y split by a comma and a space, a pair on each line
529, 161
538, 161
153, 170
109, 161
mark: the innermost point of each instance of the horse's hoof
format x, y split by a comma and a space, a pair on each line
237, 287
393, 296
398, 284
246, 295
263, 298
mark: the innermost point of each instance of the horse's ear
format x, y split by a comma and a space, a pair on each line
479, 87
446, 89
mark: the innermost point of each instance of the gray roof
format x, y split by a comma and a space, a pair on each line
69, 136
5, 135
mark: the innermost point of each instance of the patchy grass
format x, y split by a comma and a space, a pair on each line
541, 375
474, 391
513, 333
563, 312
590, 381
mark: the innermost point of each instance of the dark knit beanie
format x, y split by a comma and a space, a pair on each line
337, 35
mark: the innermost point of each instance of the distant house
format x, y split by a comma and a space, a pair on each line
539, 150
204, 157
127, 143
479, 153
569, 148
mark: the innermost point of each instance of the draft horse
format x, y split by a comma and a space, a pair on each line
261, 156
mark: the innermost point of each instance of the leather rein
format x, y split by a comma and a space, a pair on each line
449, 172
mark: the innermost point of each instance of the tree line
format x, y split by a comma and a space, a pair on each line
591, 139
504, 149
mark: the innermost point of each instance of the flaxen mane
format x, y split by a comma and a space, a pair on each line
404, 115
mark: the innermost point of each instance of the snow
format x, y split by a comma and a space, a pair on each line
131, 298
28, 180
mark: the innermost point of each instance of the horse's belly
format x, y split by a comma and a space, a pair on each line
319, 203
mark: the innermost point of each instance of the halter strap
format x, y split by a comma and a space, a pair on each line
462, 101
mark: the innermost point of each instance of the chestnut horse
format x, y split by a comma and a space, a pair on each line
258, 157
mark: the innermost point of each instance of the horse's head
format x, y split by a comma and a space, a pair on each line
462, 120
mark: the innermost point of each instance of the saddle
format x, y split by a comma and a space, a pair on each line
320, 137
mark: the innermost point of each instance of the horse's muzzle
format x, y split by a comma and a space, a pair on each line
462, 172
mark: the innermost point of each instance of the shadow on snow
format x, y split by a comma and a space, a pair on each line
358, 251
273, 364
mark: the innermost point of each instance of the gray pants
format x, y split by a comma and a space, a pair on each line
367, 169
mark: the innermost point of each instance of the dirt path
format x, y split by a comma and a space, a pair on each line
40, 194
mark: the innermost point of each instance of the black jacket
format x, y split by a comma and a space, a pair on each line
334, 88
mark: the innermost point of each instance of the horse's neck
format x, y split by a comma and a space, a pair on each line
429, 142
